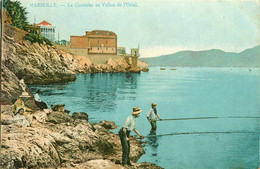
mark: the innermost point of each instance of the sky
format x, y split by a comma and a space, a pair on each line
159, 26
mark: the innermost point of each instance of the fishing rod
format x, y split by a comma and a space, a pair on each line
197, 118
189, 133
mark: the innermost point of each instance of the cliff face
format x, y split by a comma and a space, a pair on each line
42, 64
36, 63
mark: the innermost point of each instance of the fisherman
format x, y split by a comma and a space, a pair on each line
152, 116
124, 134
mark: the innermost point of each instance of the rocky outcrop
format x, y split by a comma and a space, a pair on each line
108, 124
145, 69
37, 63
66, 144
142, 64
42, 64
114, 65
80, 115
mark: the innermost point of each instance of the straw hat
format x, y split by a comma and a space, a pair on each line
25, 94
154, 104
136, 110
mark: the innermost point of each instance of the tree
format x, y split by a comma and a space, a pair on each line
17, 12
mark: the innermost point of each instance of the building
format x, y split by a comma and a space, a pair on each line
47, 30
95, 42
121, 51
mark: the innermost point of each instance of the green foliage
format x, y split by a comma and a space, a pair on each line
17, 13
34, 38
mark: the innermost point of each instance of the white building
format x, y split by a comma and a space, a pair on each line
47, 30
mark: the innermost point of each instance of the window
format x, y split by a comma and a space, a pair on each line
97, 48
98, 41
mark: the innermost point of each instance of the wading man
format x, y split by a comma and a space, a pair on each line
124, 134
152, 116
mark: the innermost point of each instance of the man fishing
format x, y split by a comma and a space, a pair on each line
124, 134
152, 116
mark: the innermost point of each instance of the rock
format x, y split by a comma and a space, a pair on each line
7, 119
142, 64
59, 143
108, 124
40, 116
145, 69
58, 107
135, 70
99, 164
80, 115
59, 117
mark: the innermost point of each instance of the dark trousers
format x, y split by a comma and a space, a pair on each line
125, 146
153, 125
41, 105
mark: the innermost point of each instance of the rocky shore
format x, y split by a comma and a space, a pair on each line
58, 140
55, 139
43, 64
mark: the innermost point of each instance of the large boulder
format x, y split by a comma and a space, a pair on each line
108, 124
59, 117
80, 115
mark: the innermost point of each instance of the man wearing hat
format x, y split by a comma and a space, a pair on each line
124, 134
152, 116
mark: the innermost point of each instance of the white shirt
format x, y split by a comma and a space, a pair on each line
151, 115
21, 120
130, 123
37, 97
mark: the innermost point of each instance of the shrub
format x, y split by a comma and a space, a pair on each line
34, 38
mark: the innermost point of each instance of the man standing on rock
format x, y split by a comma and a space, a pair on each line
124, 134
152, 116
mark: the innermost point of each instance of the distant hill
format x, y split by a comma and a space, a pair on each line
208, 58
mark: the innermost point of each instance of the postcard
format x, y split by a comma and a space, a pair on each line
130, 84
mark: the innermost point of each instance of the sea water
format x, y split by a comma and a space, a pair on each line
183, 93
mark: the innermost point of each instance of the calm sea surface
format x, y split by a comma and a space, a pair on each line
181, 93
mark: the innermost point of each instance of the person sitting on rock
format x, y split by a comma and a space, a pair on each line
20, 118
124, 134
39, 102
20, 103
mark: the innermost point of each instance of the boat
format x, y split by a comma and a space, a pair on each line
162, 68
173, 69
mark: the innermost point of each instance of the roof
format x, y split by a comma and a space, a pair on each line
44, 23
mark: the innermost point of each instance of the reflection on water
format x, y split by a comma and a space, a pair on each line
152, 142
91, 92
184, 93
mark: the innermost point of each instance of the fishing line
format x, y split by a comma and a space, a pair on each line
198, 118
217, 132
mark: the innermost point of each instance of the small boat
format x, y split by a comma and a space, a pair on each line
162, 68
173, 69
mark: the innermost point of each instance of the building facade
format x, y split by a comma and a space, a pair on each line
95, 42
47, 30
